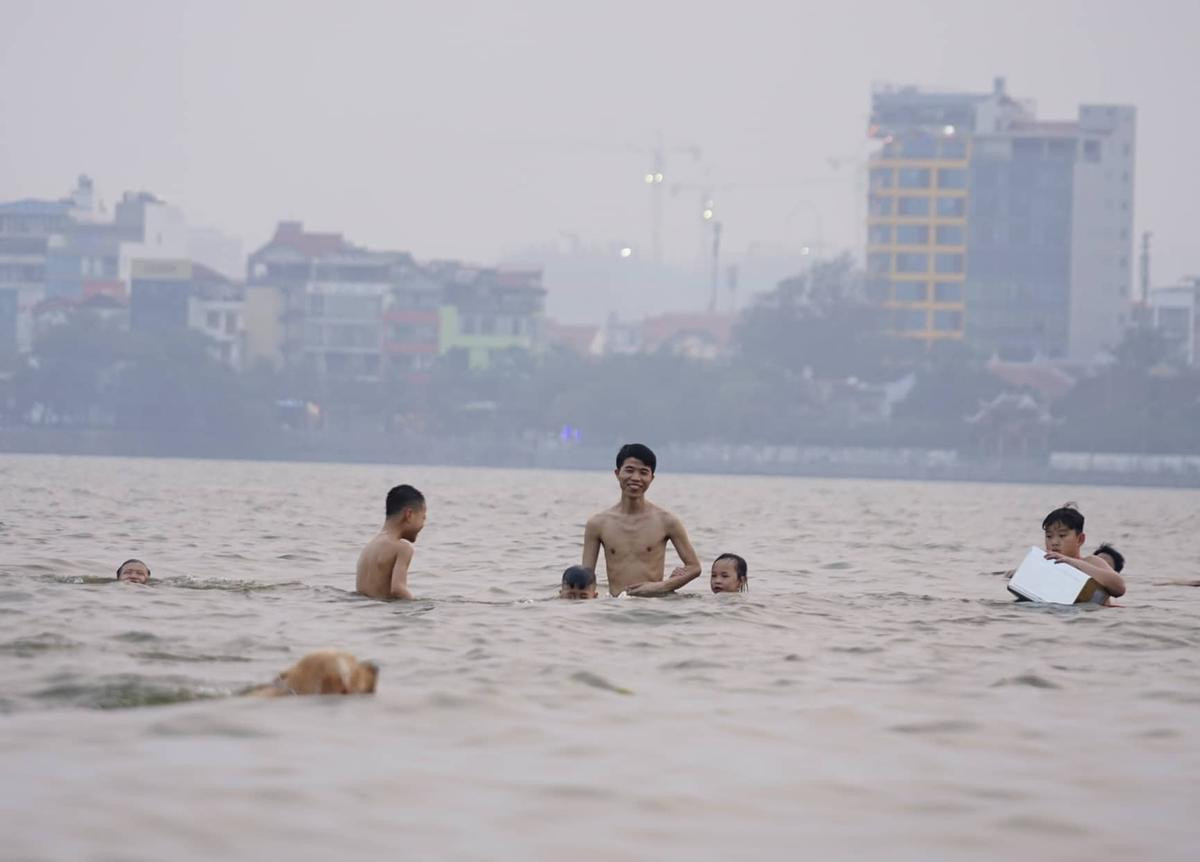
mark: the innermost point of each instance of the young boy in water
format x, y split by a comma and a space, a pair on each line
1110, 555
383, 563
729, 574
578, 583
1064, 537
134, 571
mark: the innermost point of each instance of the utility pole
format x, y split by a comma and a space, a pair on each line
716, 266
1145, 268
654, 178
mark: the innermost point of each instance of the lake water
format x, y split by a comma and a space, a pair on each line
876, 695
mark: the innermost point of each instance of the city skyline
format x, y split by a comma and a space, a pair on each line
478, 134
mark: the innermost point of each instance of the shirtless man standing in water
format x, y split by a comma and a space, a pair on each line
634, 534
383, 563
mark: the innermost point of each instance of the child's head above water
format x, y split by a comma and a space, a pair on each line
406, 507
729, 574
1114, 557
133, 570
578, 583
1064, 530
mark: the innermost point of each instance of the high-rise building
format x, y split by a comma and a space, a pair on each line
990, 226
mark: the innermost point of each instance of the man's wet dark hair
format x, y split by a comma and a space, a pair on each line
1067, 515
1118, 559
640, 451
135, 560
578, 578
404, 497
738, 562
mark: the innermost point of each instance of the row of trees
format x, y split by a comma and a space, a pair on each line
796, 348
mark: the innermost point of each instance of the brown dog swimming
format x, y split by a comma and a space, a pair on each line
327, 671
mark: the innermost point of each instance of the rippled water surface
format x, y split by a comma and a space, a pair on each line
875, 696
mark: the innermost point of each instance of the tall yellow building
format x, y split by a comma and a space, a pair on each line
916, 232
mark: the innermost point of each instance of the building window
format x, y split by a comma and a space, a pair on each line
1091, 151
948, 263
954, 148
212, 320
230, 322
919, 147
877, 289
910, 319
879, 234
952, 207
914, 206
947, 321
912, 263
881, 178
914, 178
879, 263
948, 291
951, 234
468, 324
881, 206
910, 291
952, 178
912, 234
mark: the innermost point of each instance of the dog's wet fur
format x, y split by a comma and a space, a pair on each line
326, 671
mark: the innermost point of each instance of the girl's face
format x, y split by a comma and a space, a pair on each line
724, 577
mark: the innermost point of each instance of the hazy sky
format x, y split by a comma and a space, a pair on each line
477, 129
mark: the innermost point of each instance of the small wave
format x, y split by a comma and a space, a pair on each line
29, 645
125, 691
947, 726
203, 725
163, 655
136, 637
232, 585
596, 681
1029, 679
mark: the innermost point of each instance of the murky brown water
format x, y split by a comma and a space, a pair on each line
875, 695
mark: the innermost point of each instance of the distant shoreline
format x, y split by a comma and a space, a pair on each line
911, 464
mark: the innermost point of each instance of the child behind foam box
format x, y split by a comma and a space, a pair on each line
1064, 538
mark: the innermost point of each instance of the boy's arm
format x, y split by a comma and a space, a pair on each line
689, 571
398, 589
591, 544
1096, 569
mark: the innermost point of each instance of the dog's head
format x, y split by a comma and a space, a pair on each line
330, 672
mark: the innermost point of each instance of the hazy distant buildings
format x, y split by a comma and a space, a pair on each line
990, 226
26, 227
485, 310
168, 295
314, 303
1175, 313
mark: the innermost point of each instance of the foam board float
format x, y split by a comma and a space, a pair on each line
1040, 580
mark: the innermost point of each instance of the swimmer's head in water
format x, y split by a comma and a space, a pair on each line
729, 574
1064, 530
635, 469
133, 570
1115, 558
406, 506
578, 582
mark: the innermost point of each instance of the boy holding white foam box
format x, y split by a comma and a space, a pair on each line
1064, 538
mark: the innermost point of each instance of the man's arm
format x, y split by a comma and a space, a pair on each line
591, 543
398, 588
689, 571
1096, 569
